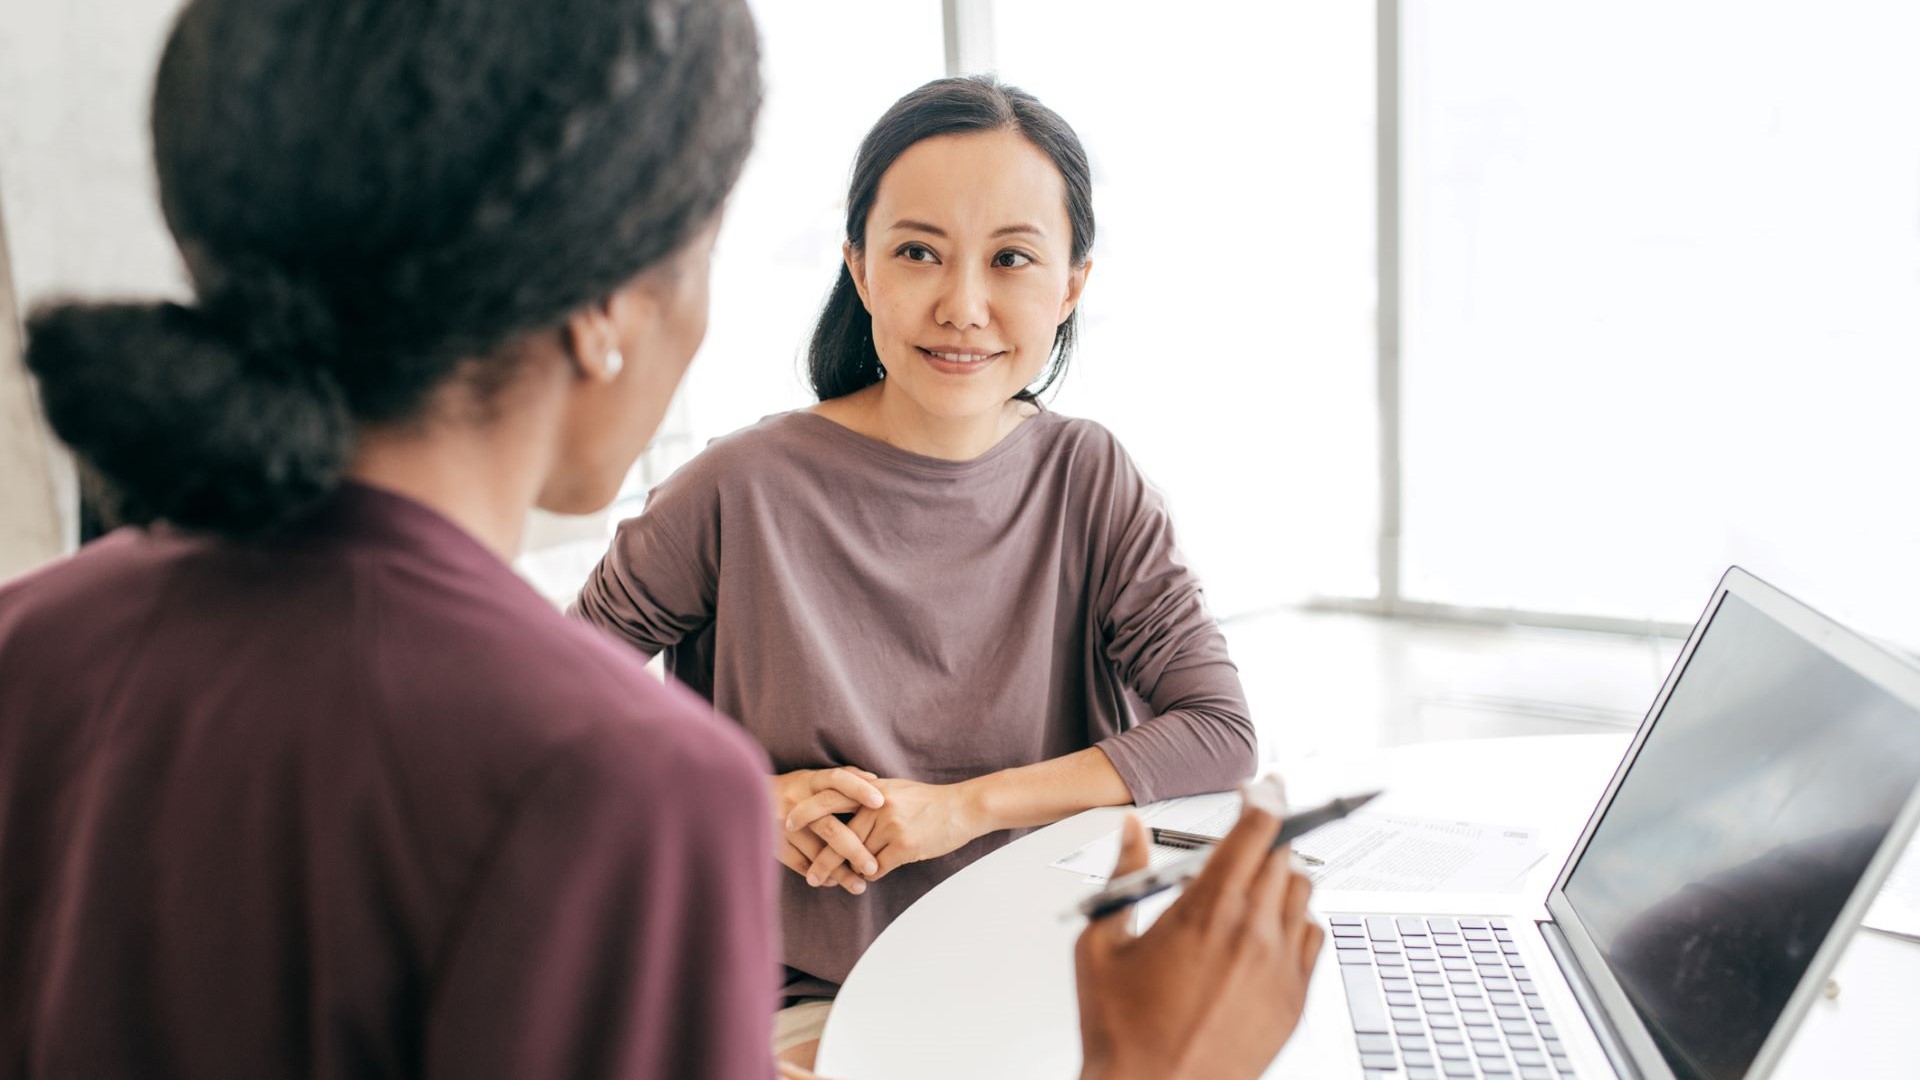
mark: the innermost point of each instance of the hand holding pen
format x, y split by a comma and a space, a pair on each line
1217, 984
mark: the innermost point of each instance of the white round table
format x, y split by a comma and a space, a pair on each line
976, 979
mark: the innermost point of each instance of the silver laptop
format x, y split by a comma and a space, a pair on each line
1765, 798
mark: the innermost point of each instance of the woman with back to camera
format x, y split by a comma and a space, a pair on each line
930, 599
299, 779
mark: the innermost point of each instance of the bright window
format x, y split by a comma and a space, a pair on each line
1229, 318
1662, 305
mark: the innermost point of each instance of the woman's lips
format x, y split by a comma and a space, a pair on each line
959, 361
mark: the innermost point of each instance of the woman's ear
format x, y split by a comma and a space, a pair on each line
856, 261
1076, 282
593, 342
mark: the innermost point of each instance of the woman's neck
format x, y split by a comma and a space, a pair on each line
895, 419
484, 478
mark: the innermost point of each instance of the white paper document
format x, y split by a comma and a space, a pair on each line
1897, 909
1371, 852
1389, 853
1211, 814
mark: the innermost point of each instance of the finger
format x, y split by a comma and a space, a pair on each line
849, 783
808, 843
1268, 900
1239, 857
1110, 929
791, 858
842, 840
1310, 944
1294, 919
1134, 849
814, 807
891, 858
857, 771
797, 853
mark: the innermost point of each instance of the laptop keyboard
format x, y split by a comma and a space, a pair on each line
1437, 997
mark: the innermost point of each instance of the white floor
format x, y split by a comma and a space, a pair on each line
1327, 681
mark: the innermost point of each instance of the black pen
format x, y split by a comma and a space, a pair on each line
1130, 889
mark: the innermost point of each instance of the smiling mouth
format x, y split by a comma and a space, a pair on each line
958, 361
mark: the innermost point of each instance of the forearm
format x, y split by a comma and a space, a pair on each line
1046, 791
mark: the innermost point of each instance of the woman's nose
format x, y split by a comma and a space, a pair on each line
963, 303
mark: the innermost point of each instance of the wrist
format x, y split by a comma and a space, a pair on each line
979, 805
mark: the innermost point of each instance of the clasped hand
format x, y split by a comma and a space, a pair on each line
893, 822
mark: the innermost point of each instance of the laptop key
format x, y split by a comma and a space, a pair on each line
1382, 1062
1446, 1037
1418, 1057
1363, 999
1380, 929
1528, 1072
1529, 1057
1401, 999
1415, 1072
1403, 1012
1371, 1043
1496, 1067
1457, 1068
1516, 1027
1454, 1052
1409, 1027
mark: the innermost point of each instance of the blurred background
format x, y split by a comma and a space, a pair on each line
1469, 341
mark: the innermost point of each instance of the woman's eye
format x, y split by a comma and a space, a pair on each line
1010, 259
917, 253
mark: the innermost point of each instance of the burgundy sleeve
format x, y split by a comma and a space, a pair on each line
622, 926
659, 581
1166, 645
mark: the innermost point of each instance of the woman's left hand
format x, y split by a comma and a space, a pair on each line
919, 822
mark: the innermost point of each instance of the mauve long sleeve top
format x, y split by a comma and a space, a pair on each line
852, 603
355, 802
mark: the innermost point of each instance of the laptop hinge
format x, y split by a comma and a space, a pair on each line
1589, 1002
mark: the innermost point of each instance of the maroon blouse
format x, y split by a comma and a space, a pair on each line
357, 803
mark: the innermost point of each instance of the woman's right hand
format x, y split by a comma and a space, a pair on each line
804, 804
1216, 985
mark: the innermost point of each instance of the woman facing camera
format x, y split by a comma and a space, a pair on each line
940, 608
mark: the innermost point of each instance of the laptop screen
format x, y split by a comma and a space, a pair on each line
1760, 794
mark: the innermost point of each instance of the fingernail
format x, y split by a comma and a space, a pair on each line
813, 880
857, 887
869, 867
790, 825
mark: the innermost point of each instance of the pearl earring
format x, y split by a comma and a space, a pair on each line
615, 361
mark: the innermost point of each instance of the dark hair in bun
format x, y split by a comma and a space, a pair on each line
368, 194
